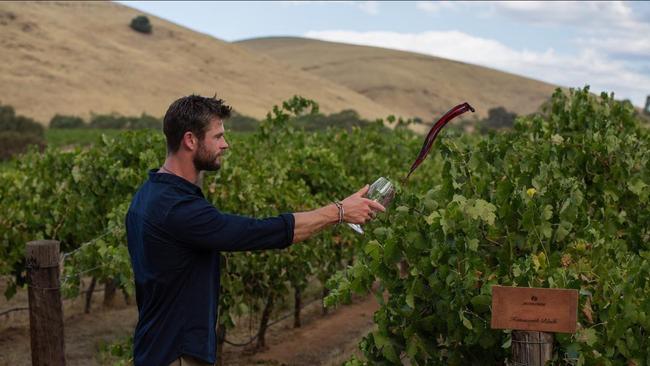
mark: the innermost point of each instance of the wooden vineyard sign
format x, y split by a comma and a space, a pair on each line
534, 309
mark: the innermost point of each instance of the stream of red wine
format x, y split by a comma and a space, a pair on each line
435, 129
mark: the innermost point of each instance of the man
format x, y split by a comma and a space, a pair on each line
175, 236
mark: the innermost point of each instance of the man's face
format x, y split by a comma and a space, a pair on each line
211, 147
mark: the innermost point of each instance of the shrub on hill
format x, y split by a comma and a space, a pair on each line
17, 132
310, 122
9, 121
498, 118
63, 121
143, 122
13, 143
141, 24
119, 122
241, 123
344, 119
108, 121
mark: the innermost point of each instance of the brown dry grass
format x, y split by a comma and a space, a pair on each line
411, 84
82, 57
79, 57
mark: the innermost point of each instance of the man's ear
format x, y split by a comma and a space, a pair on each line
190, 141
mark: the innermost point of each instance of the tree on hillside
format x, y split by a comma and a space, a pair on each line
65, 121
18, 132
499, 117
10, 121
141, 24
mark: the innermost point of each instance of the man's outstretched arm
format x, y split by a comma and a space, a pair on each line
357, 210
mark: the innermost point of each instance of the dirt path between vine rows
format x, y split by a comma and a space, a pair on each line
330, 340
322, 340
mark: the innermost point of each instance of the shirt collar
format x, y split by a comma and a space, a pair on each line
180, 182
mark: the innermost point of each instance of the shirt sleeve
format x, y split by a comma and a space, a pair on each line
199, 224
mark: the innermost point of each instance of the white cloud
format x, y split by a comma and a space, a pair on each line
619, 45
434, 6
369, 7
587, 66
612, 27
580, 13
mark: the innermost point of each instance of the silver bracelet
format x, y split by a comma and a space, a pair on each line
339, 205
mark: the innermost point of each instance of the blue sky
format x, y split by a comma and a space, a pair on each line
604, 44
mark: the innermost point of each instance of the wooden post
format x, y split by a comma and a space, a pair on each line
326, 292
297, 306
109, 293
531, 348
45, 307
89, 295
264, 323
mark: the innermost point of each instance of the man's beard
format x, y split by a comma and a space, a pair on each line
203, 160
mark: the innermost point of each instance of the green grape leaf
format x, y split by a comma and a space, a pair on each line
472, 244
373, 249
465, 321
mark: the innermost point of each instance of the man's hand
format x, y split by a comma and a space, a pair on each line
359, 209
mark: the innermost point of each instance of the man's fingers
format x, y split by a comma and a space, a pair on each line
363, 190
376, 206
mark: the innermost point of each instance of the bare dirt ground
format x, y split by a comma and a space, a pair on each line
322, 340
325, 340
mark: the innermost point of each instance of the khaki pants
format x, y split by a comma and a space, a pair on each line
189, 361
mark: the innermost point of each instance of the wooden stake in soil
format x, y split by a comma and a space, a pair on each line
89, 295
264, 323
109, 293
531, 348
297, 305
45, 307
326, 292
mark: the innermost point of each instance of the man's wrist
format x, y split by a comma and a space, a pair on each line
341, 212
332, 214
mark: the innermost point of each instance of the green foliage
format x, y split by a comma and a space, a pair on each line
141, 24
13, 143
56, 137
118, 353
17, 133
241, 123
108, 121
116, 121
497, 118
559, 202
144, 121
40, 189
346, 119
66, 122
10, 121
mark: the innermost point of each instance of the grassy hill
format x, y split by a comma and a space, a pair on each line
82, 57
410, 84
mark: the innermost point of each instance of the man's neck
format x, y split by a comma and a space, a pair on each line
185, 170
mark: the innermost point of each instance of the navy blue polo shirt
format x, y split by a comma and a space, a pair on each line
175, 236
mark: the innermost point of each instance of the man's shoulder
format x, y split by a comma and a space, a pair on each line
154, 201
